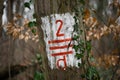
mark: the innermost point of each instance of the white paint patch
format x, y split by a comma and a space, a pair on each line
59, 54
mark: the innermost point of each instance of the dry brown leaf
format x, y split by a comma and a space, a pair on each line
21, 36
86, 14
26, 38
37, 40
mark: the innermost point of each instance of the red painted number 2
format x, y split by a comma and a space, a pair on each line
58, 31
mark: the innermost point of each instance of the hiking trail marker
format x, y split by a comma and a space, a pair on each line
58, 29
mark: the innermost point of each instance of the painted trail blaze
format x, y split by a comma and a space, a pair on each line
58, 30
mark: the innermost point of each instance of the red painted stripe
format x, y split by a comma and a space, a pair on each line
59, 41
60, 47
62, 53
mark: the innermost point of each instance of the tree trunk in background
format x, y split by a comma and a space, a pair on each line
6, 53
10, 10
1, 13
15, 55
11, 41
46, 8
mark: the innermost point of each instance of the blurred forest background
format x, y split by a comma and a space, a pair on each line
21, 47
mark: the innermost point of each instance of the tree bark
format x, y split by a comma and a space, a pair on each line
46, 8
1, 13
10, 10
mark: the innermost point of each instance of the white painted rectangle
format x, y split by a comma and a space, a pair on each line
58, 29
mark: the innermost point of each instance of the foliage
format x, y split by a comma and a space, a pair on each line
27, 4
82, 46
38, 76
88, 28
22, 31
27, 30
39, 58
32, 24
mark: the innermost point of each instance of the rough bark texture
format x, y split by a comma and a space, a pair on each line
46, 8
10, 40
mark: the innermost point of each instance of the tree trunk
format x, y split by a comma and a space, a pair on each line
1, 13
46, 8
10, 54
